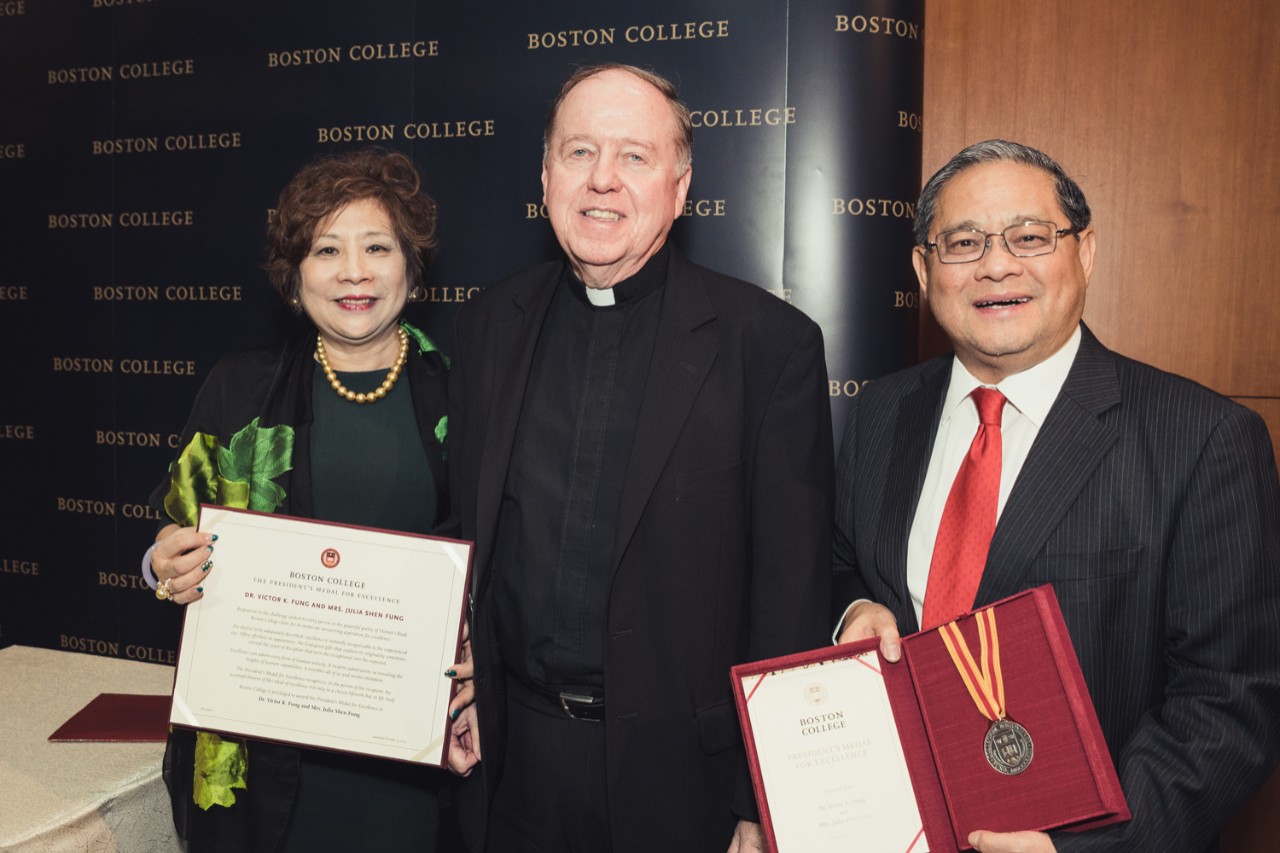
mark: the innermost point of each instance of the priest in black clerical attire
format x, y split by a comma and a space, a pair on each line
641, 450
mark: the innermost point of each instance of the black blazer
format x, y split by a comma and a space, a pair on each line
722, 540
1152, 506
273, 384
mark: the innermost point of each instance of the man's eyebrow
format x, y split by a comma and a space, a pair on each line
973, 225
640, 143
965, 225
576, 138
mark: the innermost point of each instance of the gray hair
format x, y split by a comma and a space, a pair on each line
1070, 196
679, 111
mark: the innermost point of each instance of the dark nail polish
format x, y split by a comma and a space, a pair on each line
453, 715
450, 673
215, 537
208, 564
199, 589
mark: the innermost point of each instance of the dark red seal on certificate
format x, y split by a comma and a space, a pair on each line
330, 557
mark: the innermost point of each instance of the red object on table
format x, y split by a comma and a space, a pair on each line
119, 717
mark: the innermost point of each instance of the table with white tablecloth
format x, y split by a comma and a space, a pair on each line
77, 796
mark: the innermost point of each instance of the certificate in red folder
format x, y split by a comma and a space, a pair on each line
832, 735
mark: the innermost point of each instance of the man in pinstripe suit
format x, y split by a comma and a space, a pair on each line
1149, 502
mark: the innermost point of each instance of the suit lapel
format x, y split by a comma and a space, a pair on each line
515, 336
683, 352
1069, 447
913, 446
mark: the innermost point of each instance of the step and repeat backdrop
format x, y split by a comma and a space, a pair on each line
143, 144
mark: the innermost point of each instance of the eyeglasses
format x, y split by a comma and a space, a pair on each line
1024, 240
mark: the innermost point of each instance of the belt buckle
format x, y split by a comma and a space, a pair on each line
570, 701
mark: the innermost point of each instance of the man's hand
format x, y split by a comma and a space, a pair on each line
1010, 842
747, 838
867, 620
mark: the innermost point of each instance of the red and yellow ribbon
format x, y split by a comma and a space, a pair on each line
983, 678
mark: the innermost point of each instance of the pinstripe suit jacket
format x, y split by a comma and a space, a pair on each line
1152, 506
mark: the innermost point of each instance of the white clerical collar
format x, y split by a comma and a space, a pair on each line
1032, 392
601, 297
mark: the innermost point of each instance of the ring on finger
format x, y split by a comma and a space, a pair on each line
163, 591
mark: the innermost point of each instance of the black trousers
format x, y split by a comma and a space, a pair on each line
553, 795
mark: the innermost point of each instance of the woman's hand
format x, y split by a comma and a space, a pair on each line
464, 730
463, 671
181, 561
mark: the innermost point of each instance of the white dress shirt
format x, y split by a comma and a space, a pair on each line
1030, 395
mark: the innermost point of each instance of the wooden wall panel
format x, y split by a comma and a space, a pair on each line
1167, 116
1254, 829
1269, 408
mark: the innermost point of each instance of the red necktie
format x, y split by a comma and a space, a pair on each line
968, 519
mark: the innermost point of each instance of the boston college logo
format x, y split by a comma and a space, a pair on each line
329, 557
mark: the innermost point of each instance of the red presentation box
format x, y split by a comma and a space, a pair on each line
119, 717
1070, 782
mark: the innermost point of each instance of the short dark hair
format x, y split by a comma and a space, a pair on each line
330, 184
679, 111
1070, 197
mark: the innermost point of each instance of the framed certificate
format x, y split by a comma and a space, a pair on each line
324, 635
986, 723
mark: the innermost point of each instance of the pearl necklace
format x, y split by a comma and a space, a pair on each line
373, 396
